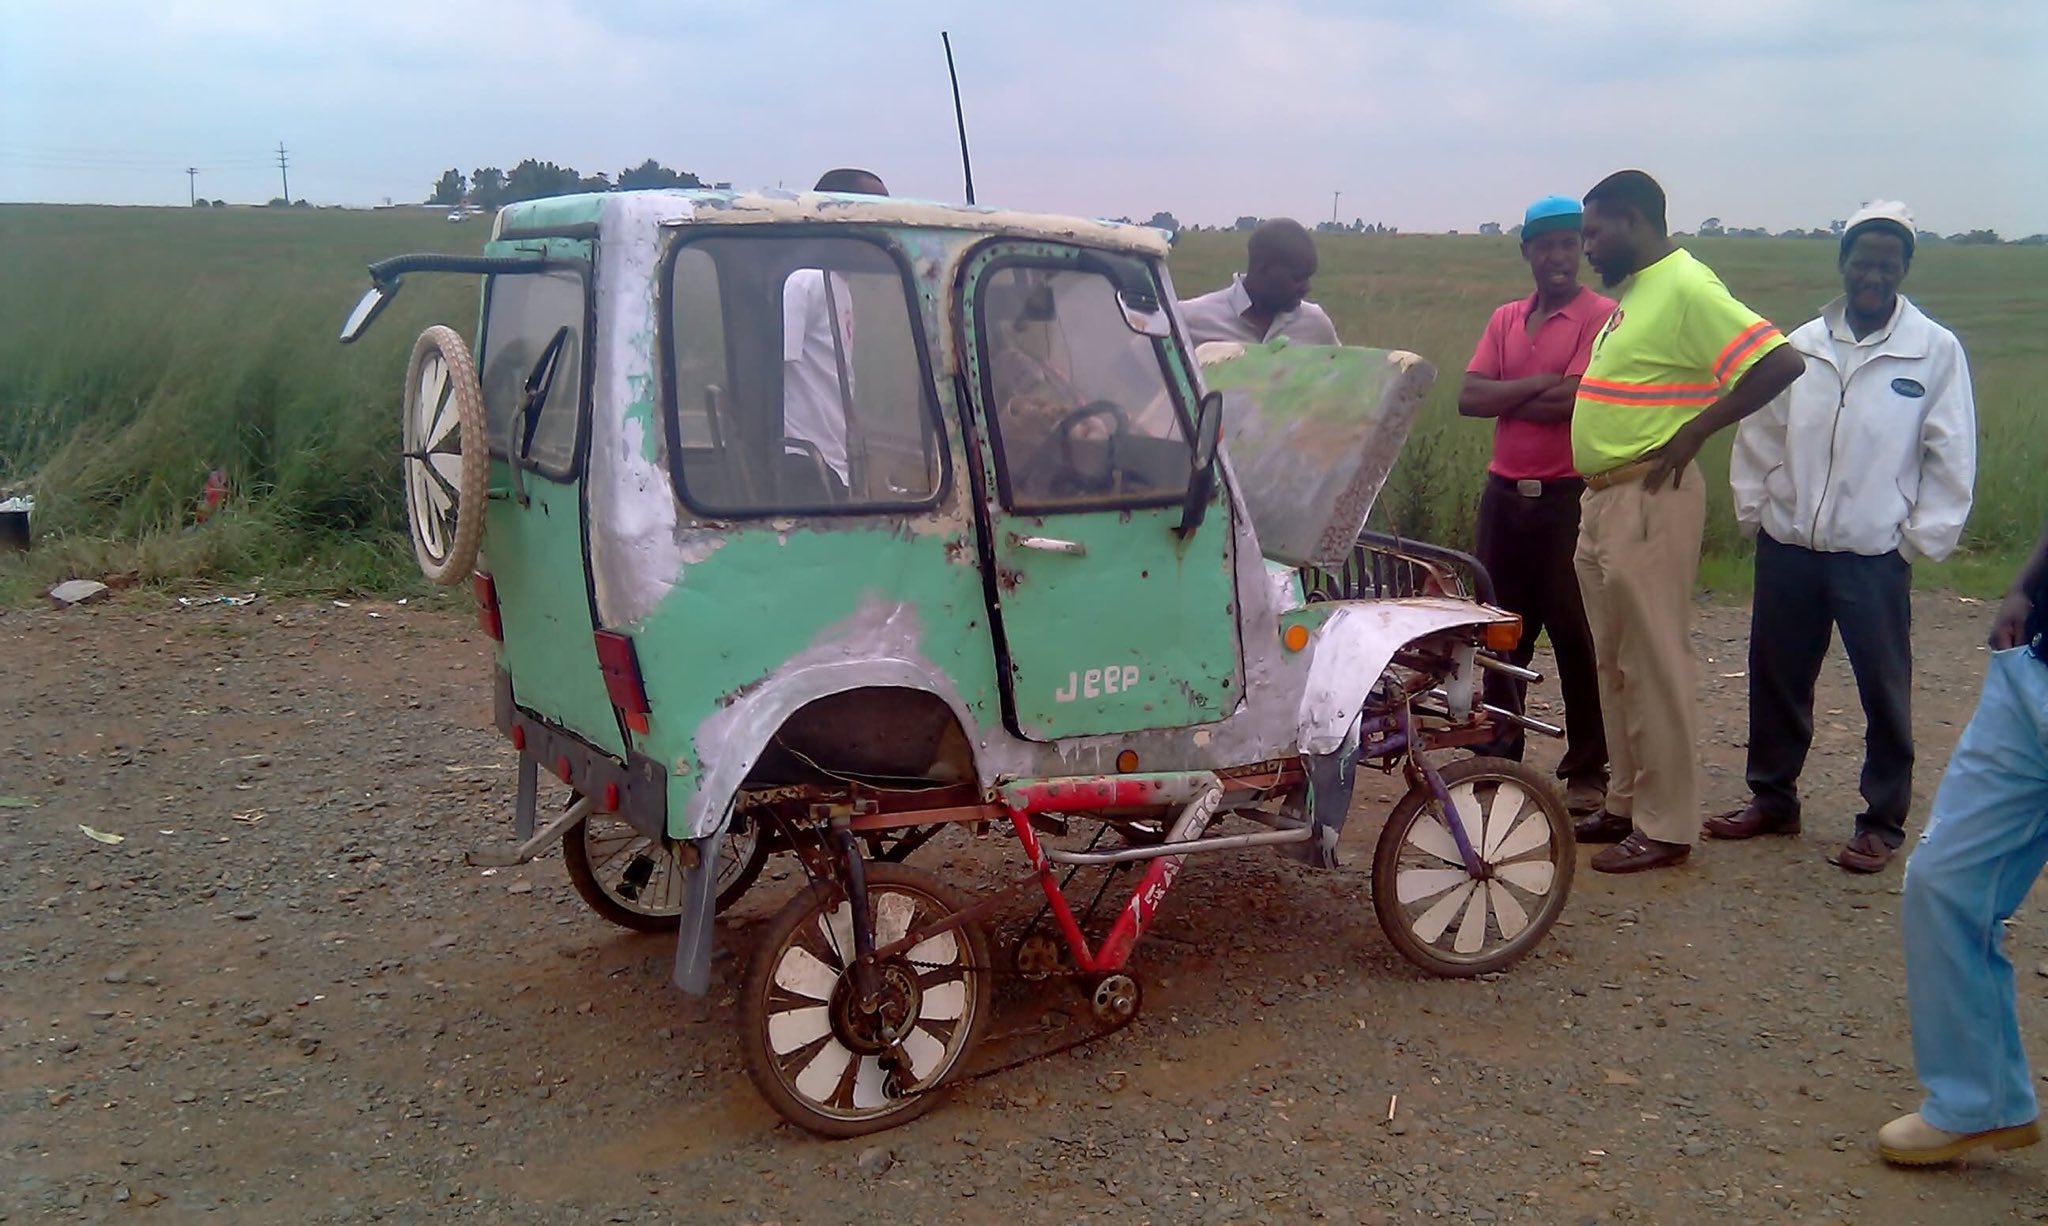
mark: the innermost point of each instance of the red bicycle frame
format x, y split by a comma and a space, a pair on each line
1199, 791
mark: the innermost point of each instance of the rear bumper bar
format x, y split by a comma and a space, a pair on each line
636, 789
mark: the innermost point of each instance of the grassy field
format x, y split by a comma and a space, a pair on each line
141, 348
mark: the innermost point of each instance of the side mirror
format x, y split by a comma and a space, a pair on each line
368, 307
1202, 483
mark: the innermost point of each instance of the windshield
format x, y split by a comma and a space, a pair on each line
1083, 411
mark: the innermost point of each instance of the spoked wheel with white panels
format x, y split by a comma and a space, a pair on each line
821, 1060
1440, 915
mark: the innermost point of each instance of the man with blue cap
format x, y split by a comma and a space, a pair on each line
1525, 375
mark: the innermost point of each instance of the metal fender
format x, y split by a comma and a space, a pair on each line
1354, 646
876, 648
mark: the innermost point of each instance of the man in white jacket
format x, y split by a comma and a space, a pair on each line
1860, 469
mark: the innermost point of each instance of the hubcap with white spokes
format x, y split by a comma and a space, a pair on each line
433, 458
849, 1064
1460, 917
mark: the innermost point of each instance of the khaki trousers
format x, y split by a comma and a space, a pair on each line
1637, 557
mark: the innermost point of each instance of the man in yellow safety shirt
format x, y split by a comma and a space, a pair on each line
1679, 360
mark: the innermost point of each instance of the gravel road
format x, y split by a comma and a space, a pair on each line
283, 995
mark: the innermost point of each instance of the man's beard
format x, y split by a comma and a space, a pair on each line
1617, 270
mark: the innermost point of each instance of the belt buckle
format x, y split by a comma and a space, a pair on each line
1529, 488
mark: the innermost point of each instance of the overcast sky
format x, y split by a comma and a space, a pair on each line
1427, 116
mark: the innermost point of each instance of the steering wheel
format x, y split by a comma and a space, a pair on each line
1057, 471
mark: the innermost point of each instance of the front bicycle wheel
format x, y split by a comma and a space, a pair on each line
1440, 916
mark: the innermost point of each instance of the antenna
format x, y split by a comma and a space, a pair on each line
959, 118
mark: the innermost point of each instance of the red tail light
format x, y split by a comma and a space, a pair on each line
621, 665
485, 589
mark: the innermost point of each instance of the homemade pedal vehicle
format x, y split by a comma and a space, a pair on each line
822, 524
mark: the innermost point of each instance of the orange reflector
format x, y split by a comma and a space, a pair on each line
1127, 761
1295, 637
1502, 636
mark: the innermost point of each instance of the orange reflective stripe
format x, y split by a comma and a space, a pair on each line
1742, 346
1602, 391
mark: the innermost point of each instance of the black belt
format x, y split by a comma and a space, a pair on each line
1528, 487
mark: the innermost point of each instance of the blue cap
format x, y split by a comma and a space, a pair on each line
1551, 213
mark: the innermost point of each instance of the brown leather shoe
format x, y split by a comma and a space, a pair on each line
1639, 853
1603, 827
1747, 823
1866, 853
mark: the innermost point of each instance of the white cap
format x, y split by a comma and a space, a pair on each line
1883, 210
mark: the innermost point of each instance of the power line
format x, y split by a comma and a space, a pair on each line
281, 173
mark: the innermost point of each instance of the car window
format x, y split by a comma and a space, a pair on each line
797, 381
1083, 411
523, 314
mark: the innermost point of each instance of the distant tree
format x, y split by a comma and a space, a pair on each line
1121, 221
2031, 240
599, 182
1792, 233
1977, 238
1329, 227
277, 202
299, 204
1712, 228
652, 174
1490, 228
448, 191
1927, 238
532, 179
220, 204
487, 187
202, 203
1164, 220
1245, 223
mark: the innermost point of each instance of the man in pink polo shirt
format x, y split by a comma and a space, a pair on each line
1525, 375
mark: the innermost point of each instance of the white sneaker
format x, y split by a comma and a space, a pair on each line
1912, 1141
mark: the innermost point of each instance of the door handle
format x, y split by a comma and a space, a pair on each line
1049, 545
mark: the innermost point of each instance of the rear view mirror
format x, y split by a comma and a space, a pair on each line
368, 307
1202, 484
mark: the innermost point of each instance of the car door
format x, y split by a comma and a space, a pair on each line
535, 540
1109, 618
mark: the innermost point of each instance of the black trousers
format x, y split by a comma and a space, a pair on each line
1526, 545
1802, 596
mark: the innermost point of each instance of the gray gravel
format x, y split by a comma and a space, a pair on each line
284, 996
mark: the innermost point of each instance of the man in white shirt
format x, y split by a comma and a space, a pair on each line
1862, 468
817, 364
1267, 299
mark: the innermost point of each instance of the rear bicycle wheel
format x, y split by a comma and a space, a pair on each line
820, 1061
637, 882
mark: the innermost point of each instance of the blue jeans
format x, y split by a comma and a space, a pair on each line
1986, 841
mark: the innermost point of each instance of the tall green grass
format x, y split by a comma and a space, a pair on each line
142, 348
